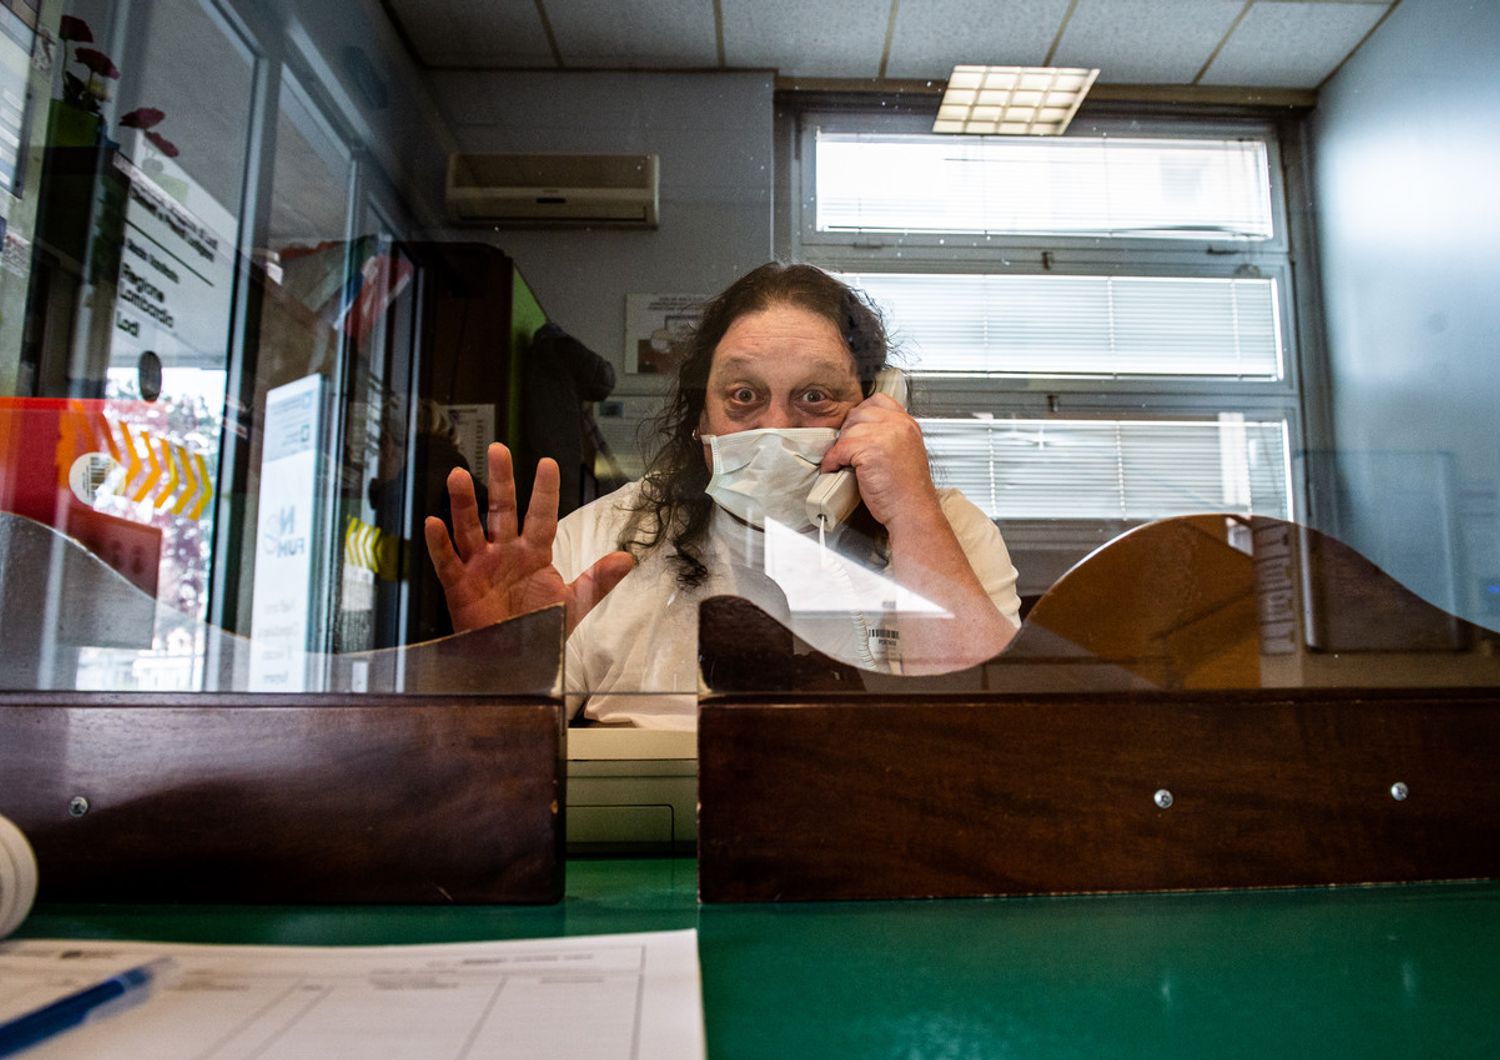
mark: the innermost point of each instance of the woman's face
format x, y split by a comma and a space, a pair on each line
780, 367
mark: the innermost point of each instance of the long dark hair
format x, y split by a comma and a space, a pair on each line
672, 506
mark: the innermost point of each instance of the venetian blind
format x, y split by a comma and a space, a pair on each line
1063, 325
1113, 469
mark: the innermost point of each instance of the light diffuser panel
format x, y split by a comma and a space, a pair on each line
1012, 100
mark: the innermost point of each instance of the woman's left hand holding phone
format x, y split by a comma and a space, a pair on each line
508, 571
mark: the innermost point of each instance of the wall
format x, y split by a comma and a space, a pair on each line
713, 133
1405, 163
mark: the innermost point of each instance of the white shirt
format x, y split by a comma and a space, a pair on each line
634, 657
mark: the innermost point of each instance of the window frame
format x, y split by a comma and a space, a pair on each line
884, 246
1167, 397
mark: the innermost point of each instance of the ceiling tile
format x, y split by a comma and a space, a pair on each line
669, 34
934, 36
1145, 41
836, 38
1291, 45
474, 32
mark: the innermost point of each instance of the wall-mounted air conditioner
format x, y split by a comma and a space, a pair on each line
618, 191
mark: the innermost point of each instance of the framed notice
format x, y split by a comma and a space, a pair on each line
654, 325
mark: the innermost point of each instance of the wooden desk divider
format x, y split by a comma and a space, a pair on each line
437, 795
1193, 734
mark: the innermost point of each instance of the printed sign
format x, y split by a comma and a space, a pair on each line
176, 271
285, 549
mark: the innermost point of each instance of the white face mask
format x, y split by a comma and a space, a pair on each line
767, 474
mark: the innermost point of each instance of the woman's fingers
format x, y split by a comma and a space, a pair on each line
444, 560
882, 401
884, 446
466, 529
500, 519
541, 513
502, 492
477, 570
591, 586
874, 427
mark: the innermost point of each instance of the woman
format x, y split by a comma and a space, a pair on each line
775, 388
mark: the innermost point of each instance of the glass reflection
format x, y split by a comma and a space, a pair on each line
1267, 326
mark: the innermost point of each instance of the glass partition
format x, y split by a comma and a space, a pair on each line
1198, 395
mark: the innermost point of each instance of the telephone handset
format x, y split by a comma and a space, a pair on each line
836, 493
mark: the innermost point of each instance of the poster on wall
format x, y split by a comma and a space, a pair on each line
281, 619
654, 324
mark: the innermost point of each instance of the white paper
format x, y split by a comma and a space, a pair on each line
586, 998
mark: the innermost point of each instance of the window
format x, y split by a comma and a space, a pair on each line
1098, 325
1092, 185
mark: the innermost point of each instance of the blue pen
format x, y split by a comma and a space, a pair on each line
88, 1003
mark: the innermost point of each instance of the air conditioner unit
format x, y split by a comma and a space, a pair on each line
617, 191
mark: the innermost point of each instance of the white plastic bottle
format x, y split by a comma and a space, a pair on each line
17, 877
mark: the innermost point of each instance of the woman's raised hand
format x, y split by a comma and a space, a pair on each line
508, 572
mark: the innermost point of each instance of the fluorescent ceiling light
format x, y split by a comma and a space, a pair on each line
1012, 100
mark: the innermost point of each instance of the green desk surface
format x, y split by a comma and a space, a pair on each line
1410, 971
